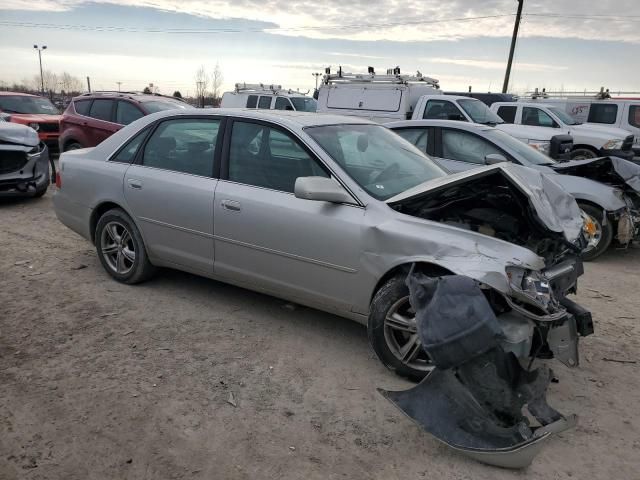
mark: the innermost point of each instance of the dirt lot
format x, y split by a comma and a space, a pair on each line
102, 380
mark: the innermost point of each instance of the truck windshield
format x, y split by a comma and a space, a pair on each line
525, 154
25, 104
563, 116
381, 162
303, 104
479, 112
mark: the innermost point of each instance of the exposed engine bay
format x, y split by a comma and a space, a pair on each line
492, 205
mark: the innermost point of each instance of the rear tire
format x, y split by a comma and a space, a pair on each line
392, 331
121, 249
605, 232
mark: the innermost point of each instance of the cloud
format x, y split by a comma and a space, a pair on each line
496, 64
409, 20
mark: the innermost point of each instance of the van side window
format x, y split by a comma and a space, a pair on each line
283, 103
634, 116
603, 113
264, 102
252, 101
442, 110
507, 113
537, 118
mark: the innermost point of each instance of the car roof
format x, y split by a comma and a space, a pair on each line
439, 123
13, 94
140, 97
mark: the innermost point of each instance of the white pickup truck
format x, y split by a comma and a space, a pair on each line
589, 141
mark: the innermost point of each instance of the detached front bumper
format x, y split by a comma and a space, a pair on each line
624, 154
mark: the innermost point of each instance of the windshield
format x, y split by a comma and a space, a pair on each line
381, 162
160, 105
563, 116
303, 104
24, 104
525, 154
479, 112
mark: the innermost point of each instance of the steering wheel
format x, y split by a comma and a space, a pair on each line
387, 172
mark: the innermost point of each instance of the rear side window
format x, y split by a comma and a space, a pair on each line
508, 114
265, 103
603, 113
101, 109
128, 152
82, 106
442, 110
184, 145
127, 112
418, 136
252, 101
634, 115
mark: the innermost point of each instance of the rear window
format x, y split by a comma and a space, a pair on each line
101, 109
603, 113
252, 101
82, 106
508, 114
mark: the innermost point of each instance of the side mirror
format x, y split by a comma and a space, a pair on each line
494, 158
321, 189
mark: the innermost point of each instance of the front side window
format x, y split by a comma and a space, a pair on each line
128, 152
442, 110
381, 162
634, 115
101, 110
603, 113
82, 106
417, 136
264, 102
183, 145
252, 101
304, 104
508, 113
537, 118
466, 147
283, 103
267, 157
126, 112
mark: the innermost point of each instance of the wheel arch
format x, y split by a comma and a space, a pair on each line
428, 268
584, 146
98, 212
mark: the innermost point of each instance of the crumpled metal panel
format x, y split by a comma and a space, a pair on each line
18, 135
628, 172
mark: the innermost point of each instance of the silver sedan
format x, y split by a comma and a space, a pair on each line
329, 212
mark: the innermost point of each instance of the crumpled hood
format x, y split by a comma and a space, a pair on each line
16, 134
605, 170
556, 209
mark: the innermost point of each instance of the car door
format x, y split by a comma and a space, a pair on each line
100, 125
268, 238
460, 150
170, 190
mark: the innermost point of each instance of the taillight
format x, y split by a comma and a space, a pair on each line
58, 180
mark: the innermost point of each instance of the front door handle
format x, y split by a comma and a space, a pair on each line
133, 183
231, 205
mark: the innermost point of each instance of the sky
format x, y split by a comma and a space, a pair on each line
570, 45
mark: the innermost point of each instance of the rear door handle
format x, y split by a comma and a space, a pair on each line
231, 205
133, 183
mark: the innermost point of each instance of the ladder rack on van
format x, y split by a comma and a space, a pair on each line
257, 87
392, 76
602, 94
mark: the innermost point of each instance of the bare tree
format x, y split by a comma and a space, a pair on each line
50, 81
202, 82
70, 84
216, 84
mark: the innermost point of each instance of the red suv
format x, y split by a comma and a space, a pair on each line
34, 111
92, 117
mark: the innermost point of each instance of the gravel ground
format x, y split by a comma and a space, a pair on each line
184, 377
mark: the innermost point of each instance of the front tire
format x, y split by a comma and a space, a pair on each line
393, 333
121, 249
583, 154
603, 234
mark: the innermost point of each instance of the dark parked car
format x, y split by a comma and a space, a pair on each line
92, 117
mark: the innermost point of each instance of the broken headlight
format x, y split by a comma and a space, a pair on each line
531, 284
614, 144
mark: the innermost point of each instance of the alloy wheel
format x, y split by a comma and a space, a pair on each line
117, 247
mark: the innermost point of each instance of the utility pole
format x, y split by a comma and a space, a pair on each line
44, 47
119, 83
505, 86
89, 84
316, 74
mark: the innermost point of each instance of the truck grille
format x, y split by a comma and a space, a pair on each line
12, 161
627, 144
49, 127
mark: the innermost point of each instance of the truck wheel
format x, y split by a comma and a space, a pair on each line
393, 333
603, 234
582, 154
121, 249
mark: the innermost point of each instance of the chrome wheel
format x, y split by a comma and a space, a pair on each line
401, 336
595, 234
117, 247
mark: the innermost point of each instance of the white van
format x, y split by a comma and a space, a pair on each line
267, 97
381, 98
620, 112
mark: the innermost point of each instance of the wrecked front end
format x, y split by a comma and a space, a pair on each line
525, 306
24, 161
